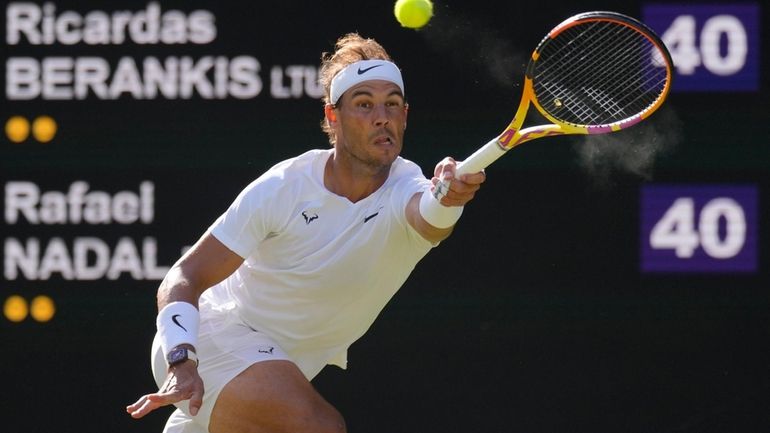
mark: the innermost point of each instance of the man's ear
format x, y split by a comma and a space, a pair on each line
329, 112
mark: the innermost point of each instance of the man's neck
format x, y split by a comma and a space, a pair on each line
352, 181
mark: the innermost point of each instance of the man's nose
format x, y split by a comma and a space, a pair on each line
380, 114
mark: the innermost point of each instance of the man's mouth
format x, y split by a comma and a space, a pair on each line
383, 140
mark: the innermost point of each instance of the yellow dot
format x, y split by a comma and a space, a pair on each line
44, 128
17, 129
42, 308
15, 308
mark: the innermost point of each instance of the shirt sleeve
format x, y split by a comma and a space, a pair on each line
245, 223
410, 182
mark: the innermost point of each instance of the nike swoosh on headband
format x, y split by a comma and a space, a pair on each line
365, 70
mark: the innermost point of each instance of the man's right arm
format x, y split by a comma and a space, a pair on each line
207, 263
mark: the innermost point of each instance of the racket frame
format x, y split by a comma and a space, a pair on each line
513, 135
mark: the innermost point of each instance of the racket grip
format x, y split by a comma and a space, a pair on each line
481, 159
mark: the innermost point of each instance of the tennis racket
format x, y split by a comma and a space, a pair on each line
596, 72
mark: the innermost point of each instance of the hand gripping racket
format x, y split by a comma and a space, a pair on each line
596, 72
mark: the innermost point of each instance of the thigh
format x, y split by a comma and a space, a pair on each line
273, 396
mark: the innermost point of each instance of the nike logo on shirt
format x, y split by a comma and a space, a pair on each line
370, 217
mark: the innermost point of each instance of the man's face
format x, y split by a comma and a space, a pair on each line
370, 123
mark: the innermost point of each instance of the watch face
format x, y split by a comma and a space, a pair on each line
176, 356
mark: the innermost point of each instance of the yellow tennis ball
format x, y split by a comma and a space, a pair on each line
413, 13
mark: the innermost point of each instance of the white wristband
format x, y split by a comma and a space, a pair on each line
178, 323
436, 214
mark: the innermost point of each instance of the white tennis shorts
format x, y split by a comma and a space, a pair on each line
226, 347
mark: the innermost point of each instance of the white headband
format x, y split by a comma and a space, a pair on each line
361, 71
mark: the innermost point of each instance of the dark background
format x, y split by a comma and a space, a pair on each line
532, 317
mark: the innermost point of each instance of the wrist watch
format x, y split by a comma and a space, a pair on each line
179, 355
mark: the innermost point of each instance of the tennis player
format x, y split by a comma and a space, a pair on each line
301, 264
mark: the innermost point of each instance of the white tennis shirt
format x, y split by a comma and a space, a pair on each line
318, 268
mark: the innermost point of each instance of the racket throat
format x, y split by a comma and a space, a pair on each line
508, 139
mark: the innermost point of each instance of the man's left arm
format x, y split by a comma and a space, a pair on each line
435, 219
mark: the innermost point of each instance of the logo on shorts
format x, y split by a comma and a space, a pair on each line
268, 350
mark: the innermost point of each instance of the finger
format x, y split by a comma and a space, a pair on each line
143, 407
133, 407
474, 178
459, 194
440, 188
196, 401
462, 190
440, 167
456, 200
448, 172
146, 408
442, 185
164, 398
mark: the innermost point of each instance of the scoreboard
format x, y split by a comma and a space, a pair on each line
715, 47
705, 228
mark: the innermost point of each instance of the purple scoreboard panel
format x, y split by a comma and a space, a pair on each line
699, 228
715, 46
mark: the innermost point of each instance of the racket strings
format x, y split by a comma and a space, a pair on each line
568, 41
564, 62
592, 102
606, 67
585, 102
631, 102
651, 77
602, 72
598, 72
643, 100
576, 43
602, 103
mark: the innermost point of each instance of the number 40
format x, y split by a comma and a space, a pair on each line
680, 38
677, 230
